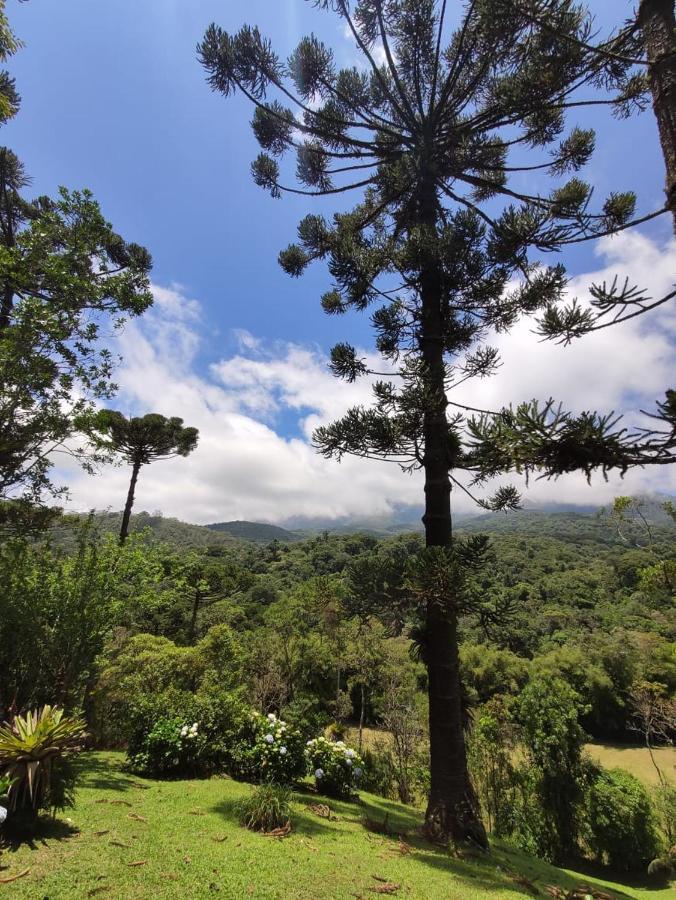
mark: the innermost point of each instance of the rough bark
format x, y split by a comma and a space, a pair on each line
452, 810
658, 25
126, 516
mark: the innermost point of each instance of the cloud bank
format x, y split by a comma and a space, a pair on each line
257, 408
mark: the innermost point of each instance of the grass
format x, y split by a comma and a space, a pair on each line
635, 760
137, 838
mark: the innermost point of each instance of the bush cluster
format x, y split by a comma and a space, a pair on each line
171, 747
269, 750
336, 768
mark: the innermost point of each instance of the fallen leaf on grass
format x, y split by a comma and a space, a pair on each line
141, 787
138, 862
119, 802
100, 833
196, 812
320, 809
580, 892
120, 844
92, 892
219, 840
388, 887
527, 885
282, 832
102, 800
136, 817
172, 876
187, 860
15, 877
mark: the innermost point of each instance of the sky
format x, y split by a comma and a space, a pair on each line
113, 99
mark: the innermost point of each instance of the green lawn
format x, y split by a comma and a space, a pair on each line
131, 837
636, 760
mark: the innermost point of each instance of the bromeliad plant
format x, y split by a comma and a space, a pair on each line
34, 751
337, 769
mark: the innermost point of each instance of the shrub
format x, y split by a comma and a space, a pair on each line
270, 751
380, 773
620, 821
220, 716
337, 769
553, 775
171, 747
5, 784
34, 752
266, 809
490, 750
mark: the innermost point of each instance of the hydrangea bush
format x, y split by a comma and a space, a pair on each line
171, 747
5, 784
336, 768
273, 752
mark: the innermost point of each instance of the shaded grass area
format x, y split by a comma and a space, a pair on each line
136, 838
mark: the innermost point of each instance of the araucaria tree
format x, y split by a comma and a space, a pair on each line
139, 441
439, 247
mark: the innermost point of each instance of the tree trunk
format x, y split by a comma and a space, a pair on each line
193, 619
126, 516
452, 810
658, 25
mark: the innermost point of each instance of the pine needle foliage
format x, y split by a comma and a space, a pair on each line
437, 130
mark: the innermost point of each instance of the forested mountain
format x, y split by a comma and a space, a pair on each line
259, 532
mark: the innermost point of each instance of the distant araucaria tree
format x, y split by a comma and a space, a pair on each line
140, 441
440, 249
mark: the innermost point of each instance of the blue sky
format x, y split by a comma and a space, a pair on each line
115, 100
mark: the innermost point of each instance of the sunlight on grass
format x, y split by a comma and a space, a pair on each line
132, 837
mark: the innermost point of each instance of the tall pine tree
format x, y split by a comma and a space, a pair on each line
433, 136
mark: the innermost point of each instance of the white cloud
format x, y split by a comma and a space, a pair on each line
257, 408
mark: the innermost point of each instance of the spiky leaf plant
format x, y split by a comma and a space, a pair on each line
33, 749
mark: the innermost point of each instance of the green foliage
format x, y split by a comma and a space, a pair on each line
267, 808
336, 768
491, 748
67, 279
57, 610
148, 676
171, 747
488, 671
270, 750
548, 712
34, 751
154, 731
142, 439
620, 823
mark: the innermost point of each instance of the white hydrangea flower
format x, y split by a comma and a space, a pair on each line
350, 753
3, 814
319, 773
194, 726
358, 772
282, 750
348, 762
270, 738
184, 731
271, 717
